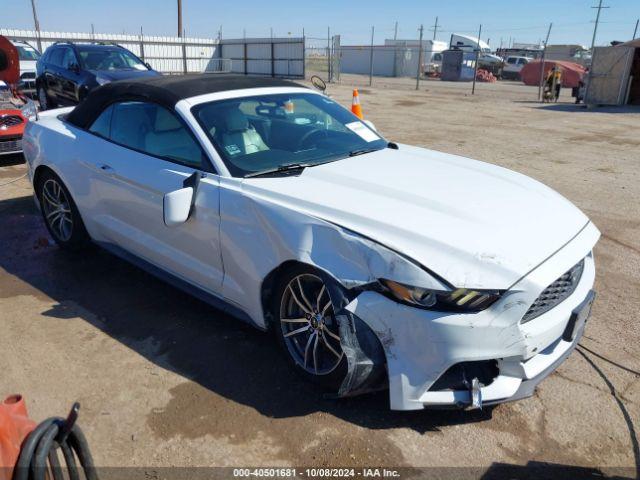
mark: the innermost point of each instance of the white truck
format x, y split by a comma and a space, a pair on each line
512, 67
469, 43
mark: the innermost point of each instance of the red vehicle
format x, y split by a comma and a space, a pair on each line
15, 108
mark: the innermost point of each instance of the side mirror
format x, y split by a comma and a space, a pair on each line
146, 64
370, 124
177, 206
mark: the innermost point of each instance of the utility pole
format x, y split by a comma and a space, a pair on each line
595, 28
36, 23
329, 76
475, 69
419, 58
180, 18
435, 28
544, 50
395, 32
635, 31
371, 58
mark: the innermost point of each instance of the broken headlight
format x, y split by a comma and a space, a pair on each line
460, 300
29, 110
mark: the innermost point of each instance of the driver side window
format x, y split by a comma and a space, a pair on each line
69, 58
151, 129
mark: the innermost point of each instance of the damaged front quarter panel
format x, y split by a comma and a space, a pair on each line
347, 262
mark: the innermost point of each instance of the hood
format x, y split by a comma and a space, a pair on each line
475, 224
114, 75
9, 62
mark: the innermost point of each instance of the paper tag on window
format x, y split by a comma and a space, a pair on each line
232, 149
362, 131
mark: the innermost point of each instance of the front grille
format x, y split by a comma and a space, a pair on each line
7, 121
555, 293
11, 146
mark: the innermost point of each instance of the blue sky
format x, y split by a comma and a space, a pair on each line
524, 20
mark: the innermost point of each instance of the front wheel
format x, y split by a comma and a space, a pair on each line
60, 213
43, 99
307, 329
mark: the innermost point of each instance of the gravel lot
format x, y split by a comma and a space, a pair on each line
165, 380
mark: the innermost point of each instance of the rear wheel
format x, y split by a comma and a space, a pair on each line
60, 213
307, 328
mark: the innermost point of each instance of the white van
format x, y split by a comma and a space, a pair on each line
512, 67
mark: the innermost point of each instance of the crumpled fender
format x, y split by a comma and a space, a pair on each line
346, 260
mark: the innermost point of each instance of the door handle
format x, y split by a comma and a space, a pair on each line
106, 168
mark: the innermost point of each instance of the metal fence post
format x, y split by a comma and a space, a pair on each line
245, 55
329, 73
544, 50
141, 45
371, 58
273, 61
475, 69
419, 59
184, 55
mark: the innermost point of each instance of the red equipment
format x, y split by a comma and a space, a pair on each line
15, 425
12, 103
572, 73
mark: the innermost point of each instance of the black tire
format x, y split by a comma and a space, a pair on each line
44, 100
282, 301
60, 213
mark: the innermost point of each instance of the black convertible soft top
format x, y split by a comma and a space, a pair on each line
164, 90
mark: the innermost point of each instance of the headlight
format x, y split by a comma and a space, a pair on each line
102, 80
29, 111
460, 300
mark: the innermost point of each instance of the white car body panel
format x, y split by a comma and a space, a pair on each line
411, 215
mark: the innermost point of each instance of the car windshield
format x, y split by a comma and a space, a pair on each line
93, 58
27, 53
260, 134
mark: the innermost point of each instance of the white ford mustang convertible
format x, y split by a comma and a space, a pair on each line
450, 281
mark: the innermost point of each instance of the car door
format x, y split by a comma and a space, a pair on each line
148, 152
52, 64
69, 77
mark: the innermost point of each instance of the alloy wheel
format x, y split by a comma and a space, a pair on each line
309, 326
57, 210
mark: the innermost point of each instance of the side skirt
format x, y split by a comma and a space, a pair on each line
179, 283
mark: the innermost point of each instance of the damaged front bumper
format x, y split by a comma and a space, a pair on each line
420, 346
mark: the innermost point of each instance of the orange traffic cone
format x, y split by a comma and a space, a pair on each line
356, 109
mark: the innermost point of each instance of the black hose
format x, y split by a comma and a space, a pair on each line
42, 444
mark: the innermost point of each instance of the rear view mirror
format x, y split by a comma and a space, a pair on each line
177, 206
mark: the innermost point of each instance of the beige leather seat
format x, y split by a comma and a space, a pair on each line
169, 138
237, 136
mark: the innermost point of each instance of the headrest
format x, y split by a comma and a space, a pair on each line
165, 121
235, 120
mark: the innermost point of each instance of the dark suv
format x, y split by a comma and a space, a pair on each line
68, 71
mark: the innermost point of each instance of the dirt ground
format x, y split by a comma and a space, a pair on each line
165, 380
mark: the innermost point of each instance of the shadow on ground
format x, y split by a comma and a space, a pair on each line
178, 332
581, 108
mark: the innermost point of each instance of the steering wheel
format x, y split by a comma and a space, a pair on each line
307, 136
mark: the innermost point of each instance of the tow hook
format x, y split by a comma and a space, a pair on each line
475, 393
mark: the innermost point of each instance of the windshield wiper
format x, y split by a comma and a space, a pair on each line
281, 168
362, 151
